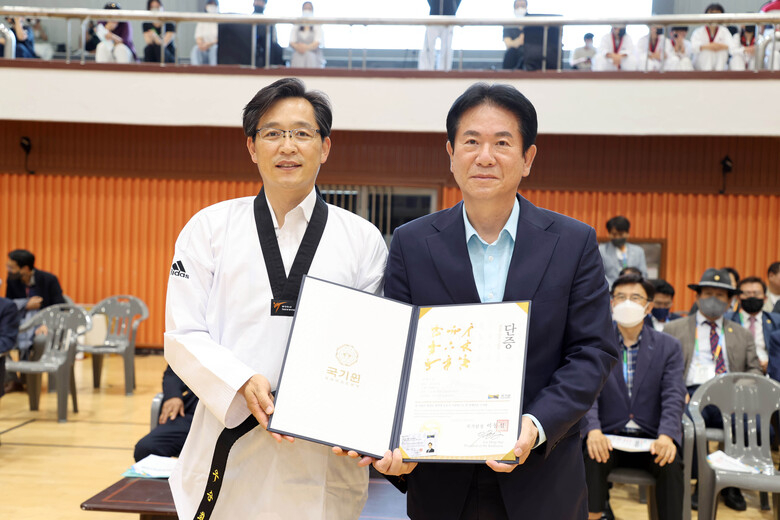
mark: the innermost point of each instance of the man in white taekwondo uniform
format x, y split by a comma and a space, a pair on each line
228, 316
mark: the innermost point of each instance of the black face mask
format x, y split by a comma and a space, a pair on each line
659, 31
619, 242
751, 305
259, 9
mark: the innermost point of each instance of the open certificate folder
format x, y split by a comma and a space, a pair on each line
366, 373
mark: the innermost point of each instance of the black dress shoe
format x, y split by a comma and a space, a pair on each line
14, 386
733, 499
695, 498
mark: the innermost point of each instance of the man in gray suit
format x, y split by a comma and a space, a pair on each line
772, 302
713, 345
617, 254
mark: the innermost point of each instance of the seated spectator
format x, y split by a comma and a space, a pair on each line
655, 48
25, 39
154, 39
116, 40
629, 270
713, 345
178, 408
743, 49
275, 51
772, 303
752, 294
649, 406
92, 39
771, 33
582, 57
42, 47
306, 42
661, 313
617, 254
205, 50
9, 328
683, 49
514, 38
615, 52
711, 43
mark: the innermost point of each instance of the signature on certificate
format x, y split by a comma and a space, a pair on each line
486, 436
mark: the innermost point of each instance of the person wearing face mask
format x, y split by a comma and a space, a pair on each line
155, 40
615, 52
206, 36
644, 396
713, 345
581, 58
654, 49
661, 313
711, 43
761, 324
116, 40
617, 254
306, 42
744, 46
514, 38
682, 47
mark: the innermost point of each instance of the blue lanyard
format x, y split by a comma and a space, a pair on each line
625, 365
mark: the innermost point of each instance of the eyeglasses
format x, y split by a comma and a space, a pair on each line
298, 135
634, 298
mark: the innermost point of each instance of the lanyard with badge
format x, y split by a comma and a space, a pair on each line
702, 373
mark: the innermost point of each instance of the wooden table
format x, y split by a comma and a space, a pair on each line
151, 498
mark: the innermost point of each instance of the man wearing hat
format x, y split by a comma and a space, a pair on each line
713, 345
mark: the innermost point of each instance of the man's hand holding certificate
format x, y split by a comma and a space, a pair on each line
405, 384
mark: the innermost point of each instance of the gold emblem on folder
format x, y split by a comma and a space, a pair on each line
347, 355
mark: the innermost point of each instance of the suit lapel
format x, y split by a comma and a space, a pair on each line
534, 246
643, 360
450, 256
732, 343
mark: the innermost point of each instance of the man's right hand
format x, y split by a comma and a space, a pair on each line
34, 303
257, 392
598, 446
171, 408
393, 464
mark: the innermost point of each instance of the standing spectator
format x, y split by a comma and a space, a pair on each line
772, 303
306, 42
743, 49
644, 397
582, 57
617, 254
154, 39
116, 40
682, 48
442, 33
205, 50
25, 39
615, 52
655, 48
752, 294
711, 43
663, 299
514, 38
713, 345
9, 328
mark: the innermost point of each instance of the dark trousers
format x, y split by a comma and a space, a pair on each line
513, 59
166, 440
152, 53
668, 480
484, 500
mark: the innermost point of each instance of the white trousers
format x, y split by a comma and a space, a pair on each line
602, 63
109, 52
650, 64
428, 59
741, 61
711, 60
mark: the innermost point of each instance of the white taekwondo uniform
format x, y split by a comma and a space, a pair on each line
219, 332
608, 44
706, 59
644, 62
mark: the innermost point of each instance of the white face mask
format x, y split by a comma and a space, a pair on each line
307, 13
520, 12
211, 8
628, 313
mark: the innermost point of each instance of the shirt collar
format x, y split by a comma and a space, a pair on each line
510, 226
701, 318
306, 207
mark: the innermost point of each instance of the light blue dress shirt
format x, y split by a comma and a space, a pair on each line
490, 265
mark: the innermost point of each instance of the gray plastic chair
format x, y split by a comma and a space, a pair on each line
124, 314
646, 481
65, 322
157, 402
746, 397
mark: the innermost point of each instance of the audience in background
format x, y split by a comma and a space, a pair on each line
275, 51
618, 254
175, 420
772, 303
711, 43
744, 46
116, 40
306, 42
752, 294
155, 40
25, 39
683, 48
582, 57
42, 48
654, 49
713, 345
443, 33
616, 51
649, 406
514, 38
205, 50
9, 329
661, 313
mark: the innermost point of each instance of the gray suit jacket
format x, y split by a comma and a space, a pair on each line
740, 347
612, 267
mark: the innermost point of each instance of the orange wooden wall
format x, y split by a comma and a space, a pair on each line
702, 230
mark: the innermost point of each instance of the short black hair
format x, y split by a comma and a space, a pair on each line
734, 272
774, 268
630, 270
22, 257
619, 223
283, 89
631, 279
588, 36
751, 279
504, 96
713, 7
661, 286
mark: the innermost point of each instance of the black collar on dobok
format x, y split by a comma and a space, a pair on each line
285, 288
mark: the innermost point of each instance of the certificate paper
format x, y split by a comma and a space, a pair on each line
368, 374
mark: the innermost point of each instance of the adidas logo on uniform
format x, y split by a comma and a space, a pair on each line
177, 269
